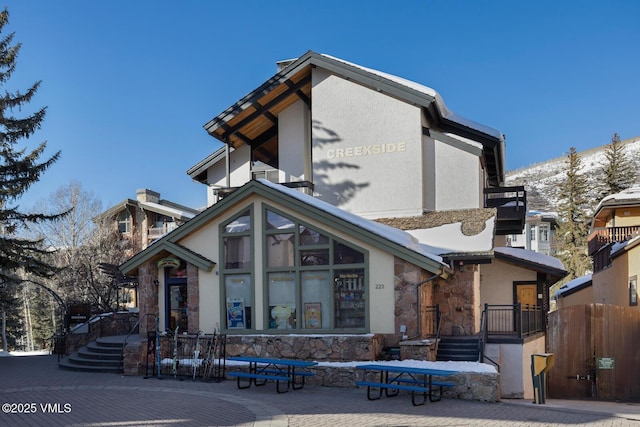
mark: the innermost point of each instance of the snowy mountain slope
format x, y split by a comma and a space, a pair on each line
541, 180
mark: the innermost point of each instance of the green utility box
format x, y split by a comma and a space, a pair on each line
540, 365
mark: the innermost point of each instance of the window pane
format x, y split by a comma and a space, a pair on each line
282, 300
309, 236
278, 222
316, 299
349, 299
237, 252
238, 294
343, 254
280, 250
239, 225
314, 257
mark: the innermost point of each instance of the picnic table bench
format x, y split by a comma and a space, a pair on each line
291, 372
393, 378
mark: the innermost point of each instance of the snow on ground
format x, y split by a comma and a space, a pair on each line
474, 367
24, 353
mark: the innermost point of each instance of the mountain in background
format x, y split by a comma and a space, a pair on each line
541, 180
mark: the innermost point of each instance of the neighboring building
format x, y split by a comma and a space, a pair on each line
575, 292
616, 219
351, 221
613, 246
538, 234
146, 219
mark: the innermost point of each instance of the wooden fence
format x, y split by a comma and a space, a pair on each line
596, 350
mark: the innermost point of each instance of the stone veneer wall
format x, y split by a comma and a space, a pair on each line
147, 296
193, 299
333, 348
117, 323
457, 300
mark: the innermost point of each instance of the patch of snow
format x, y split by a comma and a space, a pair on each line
573, 284
24, 353
449, 238
409, 363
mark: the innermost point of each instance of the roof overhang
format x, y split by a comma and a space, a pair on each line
253, 118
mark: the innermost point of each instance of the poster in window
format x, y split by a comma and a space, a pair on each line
235, 313
313, 315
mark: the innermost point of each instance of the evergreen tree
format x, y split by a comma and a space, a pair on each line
618, 172
19, 169
573, 228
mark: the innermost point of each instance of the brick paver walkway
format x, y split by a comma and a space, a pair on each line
57, 397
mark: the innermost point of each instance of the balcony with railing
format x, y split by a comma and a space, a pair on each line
511, 206
602, 236
158, 231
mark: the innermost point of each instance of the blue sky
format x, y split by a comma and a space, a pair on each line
130, 84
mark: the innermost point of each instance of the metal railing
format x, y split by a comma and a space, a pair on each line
483, 337
513, 320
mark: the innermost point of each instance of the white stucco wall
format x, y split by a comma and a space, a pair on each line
497, 281
457, 178
367, 149
515, 366
206, 243
294, 142
240, 169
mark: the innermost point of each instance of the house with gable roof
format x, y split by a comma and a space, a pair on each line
353, 204
613, 246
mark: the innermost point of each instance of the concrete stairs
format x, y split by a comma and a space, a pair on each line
102, 355
458, 348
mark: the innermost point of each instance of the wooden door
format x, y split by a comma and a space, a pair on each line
527, 295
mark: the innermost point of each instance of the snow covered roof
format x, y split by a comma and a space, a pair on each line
167, 210
574, 285
395, 235
625, 197
533, 260
449, 238
446, 113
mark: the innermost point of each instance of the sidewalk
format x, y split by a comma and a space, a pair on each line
626, 410
69, 398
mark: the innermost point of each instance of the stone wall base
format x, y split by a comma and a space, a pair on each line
484, 387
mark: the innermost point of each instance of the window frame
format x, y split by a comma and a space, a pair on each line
240, 273
633, 290
298, 270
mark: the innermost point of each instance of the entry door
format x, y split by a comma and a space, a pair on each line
530, 314
527, 295
176, 306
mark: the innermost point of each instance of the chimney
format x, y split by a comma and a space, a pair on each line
146, 195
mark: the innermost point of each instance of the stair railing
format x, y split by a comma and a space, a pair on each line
483, 337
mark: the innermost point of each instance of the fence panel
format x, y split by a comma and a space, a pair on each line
592, 346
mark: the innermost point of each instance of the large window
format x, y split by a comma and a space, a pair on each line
237, 241
314, 281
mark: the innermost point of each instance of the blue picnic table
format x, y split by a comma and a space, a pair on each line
393, 378
291, 372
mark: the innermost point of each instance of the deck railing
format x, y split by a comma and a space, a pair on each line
602, 236
513, 320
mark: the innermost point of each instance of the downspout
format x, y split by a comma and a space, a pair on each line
227, 152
